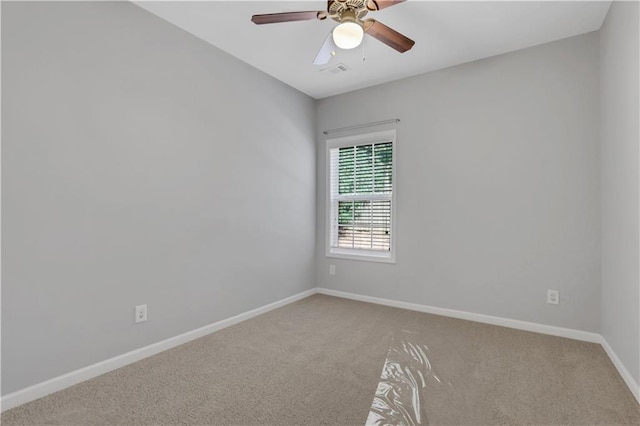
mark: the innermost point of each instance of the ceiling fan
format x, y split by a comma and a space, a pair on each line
351, 29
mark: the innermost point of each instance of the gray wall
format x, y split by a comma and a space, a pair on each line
140, 165
620, 186
497, 186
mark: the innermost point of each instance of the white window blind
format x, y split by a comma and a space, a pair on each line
361, 198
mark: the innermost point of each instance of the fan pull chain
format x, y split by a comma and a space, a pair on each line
363, 55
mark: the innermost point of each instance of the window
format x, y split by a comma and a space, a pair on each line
360, 197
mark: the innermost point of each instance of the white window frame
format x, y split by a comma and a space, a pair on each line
362, 254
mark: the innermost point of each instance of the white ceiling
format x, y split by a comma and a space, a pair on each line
446, 33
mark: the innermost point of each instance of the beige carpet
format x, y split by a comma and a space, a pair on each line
319, 360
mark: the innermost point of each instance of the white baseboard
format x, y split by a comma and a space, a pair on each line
61, 382
487, 319
504, 322
624, 373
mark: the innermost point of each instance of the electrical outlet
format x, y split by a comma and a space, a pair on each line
553, 297
141, 313
332, 269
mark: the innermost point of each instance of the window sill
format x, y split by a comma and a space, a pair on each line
362, 255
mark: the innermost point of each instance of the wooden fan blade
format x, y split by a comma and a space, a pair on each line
382, 4
388, 36
272, 18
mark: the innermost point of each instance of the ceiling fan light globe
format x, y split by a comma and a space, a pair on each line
348, 35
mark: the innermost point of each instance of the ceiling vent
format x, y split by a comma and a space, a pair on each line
336, 69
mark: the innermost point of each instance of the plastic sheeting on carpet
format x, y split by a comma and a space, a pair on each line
419, 372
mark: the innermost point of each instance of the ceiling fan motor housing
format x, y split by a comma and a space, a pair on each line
347, 10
